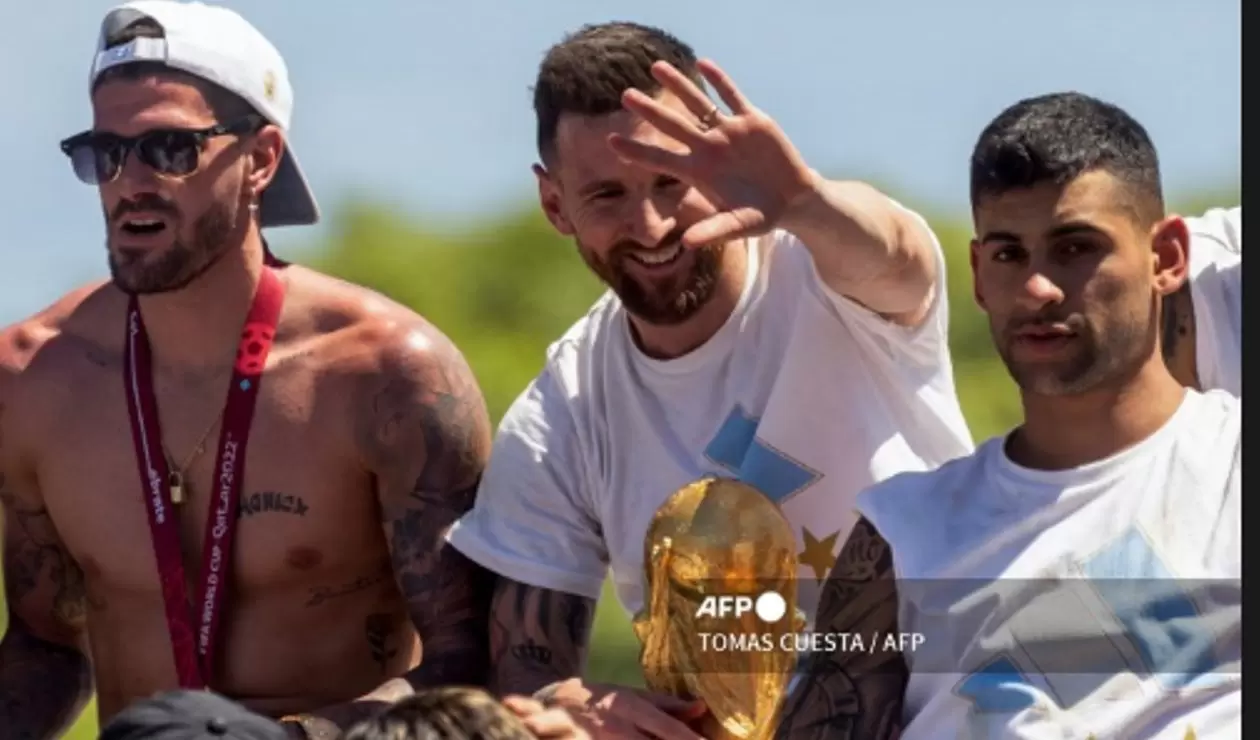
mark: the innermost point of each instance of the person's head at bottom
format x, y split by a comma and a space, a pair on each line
452, 713
190, 715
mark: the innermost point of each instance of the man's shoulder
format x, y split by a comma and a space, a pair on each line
409, 388
78, 313
923, 491
42, 355
360, 330
1213, 421
602, 327
921, 514
935, 479
575, 366
577, 357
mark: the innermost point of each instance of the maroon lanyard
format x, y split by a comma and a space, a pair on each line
194, 646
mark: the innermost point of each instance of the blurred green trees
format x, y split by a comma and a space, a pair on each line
507, 287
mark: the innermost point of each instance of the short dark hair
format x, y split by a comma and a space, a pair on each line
1056, 138
224, 104
587, 72
446, 713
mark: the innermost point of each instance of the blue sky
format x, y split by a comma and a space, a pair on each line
425, 104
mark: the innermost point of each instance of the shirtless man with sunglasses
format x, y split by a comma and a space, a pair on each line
219, 470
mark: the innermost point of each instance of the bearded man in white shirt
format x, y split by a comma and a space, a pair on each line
1080, 576
763, 322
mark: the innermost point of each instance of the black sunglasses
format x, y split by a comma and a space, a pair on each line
98, 157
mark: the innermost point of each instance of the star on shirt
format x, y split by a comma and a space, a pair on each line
819, 554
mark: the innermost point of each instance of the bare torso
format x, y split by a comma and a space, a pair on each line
314, 614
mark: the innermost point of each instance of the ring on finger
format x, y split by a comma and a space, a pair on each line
710, 119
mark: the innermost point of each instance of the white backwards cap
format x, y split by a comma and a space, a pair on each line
219, 46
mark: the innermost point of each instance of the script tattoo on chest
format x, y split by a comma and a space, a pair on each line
323, 594
265, 502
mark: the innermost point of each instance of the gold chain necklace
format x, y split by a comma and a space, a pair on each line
176, 478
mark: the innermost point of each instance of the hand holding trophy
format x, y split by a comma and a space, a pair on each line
721, 538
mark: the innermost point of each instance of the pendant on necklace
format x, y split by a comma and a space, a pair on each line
177, 487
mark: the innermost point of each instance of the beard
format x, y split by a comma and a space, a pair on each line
664, 301
1100, 355
144, 271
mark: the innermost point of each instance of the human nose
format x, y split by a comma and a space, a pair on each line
648, 225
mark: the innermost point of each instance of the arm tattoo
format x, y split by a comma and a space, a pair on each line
431, 438
426, 438
43, 685
35, 559
448, 597
852, 695
34, 556
537, 636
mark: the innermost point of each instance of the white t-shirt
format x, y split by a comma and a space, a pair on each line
1101, 601
1216, 290
803, 393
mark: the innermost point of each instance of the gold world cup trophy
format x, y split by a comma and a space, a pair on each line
721, 538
